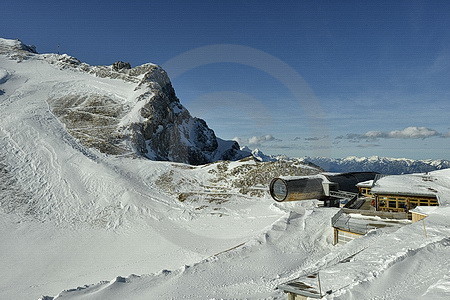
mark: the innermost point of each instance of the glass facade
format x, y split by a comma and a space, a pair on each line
403, 203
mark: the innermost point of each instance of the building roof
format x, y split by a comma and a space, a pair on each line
368, 183
431, 184
306, 286
424, 210
316, 176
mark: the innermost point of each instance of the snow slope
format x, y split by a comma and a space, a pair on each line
409, 263
249, 271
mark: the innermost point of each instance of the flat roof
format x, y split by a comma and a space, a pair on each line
432, 184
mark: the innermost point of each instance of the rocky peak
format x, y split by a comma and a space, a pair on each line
119, 65
15, 49
149, 121
169, 132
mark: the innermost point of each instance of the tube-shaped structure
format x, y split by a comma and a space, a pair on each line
296, 188
316, 186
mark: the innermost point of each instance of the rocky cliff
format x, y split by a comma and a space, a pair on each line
145, 118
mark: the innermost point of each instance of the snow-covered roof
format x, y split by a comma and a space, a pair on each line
316, 176
431, 184
424, 210
368, 183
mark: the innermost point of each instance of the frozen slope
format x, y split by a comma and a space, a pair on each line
40, 153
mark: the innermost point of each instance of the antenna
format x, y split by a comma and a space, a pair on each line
58, 49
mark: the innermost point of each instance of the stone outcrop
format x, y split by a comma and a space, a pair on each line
169, 132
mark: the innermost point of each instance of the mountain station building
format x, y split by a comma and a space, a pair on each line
402, 193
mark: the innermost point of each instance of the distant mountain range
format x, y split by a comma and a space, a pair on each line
378, 164
383, 165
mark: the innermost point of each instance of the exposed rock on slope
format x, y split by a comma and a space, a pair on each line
149, 121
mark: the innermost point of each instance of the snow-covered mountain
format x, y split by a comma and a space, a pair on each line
137, 115
383, 165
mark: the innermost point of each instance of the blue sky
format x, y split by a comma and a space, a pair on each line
290, 77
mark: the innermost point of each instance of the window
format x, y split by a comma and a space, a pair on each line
413, 204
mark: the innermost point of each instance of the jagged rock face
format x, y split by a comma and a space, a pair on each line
119, 65
149, 121
92, 119
170, 132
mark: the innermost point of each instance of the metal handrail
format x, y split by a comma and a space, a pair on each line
336, 217
342, 194
349, 225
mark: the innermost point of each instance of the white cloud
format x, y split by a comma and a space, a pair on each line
412, 132
311, 139
375, 134
256, 140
